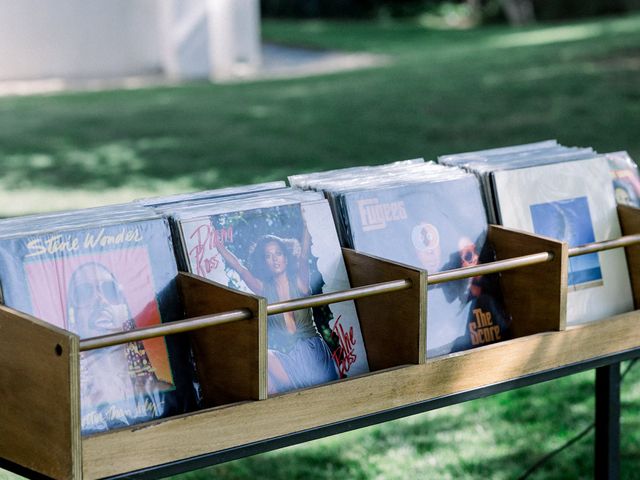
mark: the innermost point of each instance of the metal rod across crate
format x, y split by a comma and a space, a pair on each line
344, 295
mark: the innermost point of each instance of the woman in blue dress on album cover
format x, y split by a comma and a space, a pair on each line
279, 270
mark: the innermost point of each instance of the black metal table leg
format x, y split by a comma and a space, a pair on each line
607, 444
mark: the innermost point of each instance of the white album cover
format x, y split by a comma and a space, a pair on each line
572, 202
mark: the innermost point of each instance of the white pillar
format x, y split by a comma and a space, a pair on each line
73, 39
234, 37
218, 39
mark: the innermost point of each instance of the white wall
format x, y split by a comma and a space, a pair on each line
185, 40
78, 38
234, 30
219, 39
106, 38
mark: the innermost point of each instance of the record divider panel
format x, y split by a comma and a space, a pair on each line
231, 358
39, 395
393, 325
630, 223
524, 287
40, 430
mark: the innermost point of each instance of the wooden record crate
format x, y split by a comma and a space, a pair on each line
39, 364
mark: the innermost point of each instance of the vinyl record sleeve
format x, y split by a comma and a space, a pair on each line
73, 219
209, 194
572, 202
626, 182
103, 280
458, 159
284, 252
309, 180
485, 171
436, 226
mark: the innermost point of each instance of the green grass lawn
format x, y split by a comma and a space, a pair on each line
443, 92
499, 437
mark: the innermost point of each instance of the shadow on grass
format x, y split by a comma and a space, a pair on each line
498, 437
446, 92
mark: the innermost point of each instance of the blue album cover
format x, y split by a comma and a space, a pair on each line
104, 280
435, 226
570, 221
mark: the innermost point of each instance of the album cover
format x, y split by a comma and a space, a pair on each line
573, 202
626, 182
435, 226
482, 164
98, 281
283, 252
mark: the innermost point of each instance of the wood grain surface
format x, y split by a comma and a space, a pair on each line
243, 423
630, 224
231, 359
535, 296
393, 325
40, 396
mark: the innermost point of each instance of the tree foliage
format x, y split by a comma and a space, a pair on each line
516, 12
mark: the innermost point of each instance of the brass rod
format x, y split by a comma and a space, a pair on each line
344, 295
302, 303
604, 245
486, 268
234, 315
179, 326
341, 296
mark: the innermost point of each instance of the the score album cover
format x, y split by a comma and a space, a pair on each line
436, 226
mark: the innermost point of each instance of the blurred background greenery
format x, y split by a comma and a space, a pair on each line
499, 437
450, 85
467, 12
483, 10
443, 91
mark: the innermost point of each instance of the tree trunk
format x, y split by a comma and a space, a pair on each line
518, 12
475, 11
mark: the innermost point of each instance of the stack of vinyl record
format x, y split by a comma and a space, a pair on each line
565, 193
96, 272
206, 196
280, 244
429, 216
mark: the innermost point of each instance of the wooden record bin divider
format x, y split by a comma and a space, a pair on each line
40, 364
630, 224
